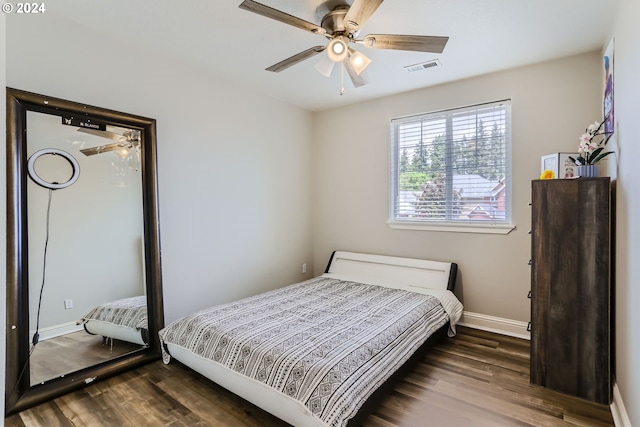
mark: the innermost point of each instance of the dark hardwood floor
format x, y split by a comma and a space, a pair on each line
71, 352
475, 379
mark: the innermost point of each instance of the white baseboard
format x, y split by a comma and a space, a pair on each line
499, 325
56, 331
618, 411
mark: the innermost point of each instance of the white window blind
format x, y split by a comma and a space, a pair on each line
452, 167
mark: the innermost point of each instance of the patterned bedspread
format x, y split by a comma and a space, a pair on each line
326, 343
130, 312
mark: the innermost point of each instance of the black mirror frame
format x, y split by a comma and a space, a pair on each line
19, 394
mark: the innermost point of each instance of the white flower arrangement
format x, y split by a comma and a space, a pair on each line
590, 147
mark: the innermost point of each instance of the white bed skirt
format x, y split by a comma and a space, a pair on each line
261, 395
110, 330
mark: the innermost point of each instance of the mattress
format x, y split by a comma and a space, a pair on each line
313, 352
124, 319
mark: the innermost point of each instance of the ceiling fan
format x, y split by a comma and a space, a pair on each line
125, 142
341, 26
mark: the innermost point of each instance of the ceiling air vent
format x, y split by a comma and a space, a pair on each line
422, 66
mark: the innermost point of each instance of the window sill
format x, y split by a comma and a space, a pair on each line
453, 228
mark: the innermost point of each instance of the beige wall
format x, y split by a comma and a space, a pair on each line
551, 105
627, 298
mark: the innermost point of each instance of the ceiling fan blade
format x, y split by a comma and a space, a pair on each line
278, 15
104, 134
103, 149
433, 44
299, 57
359, 13
357, 79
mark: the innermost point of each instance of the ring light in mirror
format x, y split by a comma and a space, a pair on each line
53, 185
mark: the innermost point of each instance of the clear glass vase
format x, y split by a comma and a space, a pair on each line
587, 171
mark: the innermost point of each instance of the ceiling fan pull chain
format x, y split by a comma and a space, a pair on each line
341, 79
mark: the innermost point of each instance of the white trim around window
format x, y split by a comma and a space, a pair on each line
451, 170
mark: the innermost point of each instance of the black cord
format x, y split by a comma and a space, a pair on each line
24, 368
36, 335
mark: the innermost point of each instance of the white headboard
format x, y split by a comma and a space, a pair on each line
403, 273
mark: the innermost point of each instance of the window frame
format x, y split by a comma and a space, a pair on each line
466, 226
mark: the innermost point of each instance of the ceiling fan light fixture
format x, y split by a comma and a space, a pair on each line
338, 49
123, 152
358, 61
325, 66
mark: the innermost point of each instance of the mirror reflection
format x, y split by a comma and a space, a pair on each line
87, 300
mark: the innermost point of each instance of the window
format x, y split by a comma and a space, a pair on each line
451, 170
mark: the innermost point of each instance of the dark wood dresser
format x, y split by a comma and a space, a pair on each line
571, 286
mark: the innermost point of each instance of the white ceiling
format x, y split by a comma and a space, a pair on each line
237, 45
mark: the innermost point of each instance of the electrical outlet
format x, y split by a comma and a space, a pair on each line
304, 268
68, 304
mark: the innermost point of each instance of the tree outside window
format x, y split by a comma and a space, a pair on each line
452, 166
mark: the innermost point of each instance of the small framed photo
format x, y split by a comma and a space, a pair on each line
560, 164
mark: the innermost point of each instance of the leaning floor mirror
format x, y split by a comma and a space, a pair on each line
84, 293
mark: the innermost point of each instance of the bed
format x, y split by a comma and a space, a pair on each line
315, 352
124, 319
